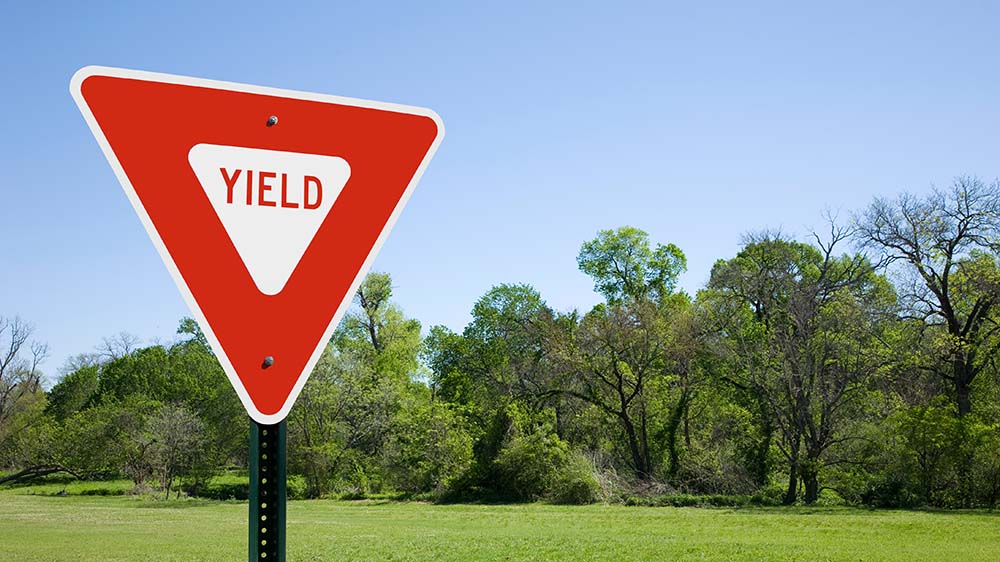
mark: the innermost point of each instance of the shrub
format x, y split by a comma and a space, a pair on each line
530, 465
890, 490
225, 490
692, 500
540, 465
428, 450
575, 483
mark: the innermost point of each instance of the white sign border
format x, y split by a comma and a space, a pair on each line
76, 84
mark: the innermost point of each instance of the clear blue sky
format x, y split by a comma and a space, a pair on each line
695, 123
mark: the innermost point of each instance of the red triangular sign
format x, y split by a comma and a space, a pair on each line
267, 206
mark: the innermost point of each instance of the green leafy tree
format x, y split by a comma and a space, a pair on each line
348, 410
76, 391
104, 404
499, 361
176, 439
536, 463
804, 330
429, 448
198, 384
625, 266
624, 356
610, 361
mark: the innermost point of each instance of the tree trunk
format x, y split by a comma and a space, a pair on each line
641, 470
759, 465
168, 481
33, 472
793, 484
560, 430
673, 425
687, 425
810, 478
647, 463
963, 392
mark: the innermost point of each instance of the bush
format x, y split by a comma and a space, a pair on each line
102, 492
428, 450
237, 487
576, 483
930, 457
225, 491
712, 500
530, 465
540, 465
890, 491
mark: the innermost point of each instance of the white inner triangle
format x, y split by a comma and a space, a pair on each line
270, 202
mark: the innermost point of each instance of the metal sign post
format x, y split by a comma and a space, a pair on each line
268, 492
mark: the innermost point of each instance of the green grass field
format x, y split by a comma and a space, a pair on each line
85, 528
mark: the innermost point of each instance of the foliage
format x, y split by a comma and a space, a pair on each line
624, 266
575, 483
942, 460
804, 331
178, 445
429, 449
943, 251
529, 466
803, 371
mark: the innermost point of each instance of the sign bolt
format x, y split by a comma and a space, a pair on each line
272, 120
268, 361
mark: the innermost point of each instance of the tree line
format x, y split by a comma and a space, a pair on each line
858, 366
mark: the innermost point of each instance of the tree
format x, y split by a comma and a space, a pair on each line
117, 346
20, 377
373, 298
804, 330
625, 266
111, 438
506, 347
943, 249
198, 383
348, 409
177, 442
144, 371
609, 361
499, 361
619, 355
685, 354
378, 334
76, 391
429, 448
444, 354
86, 402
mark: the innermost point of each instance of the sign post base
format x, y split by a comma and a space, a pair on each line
267, 492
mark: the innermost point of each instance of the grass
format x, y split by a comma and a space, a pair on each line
87, 528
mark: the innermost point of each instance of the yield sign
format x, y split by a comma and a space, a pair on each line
267, 206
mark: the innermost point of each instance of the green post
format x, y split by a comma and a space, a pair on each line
267, 492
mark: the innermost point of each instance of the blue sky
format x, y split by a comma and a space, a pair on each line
696, 123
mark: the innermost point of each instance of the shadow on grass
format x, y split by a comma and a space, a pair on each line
183, 503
